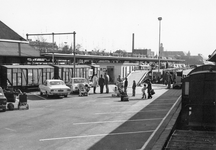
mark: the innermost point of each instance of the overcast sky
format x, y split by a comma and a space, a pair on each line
187, 25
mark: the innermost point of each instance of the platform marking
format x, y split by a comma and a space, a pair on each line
40, 97
152, 135
125, 112
116, 121
95, 135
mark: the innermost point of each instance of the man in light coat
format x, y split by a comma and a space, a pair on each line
95, 83
106, 82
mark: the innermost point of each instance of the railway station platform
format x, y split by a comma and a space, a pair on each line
146, 129
158, 119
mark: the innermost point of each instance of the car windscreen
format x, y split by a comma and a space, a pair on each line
57, 83
80, 80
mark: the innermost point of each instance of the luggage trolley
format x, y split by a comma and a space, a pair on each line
23, 101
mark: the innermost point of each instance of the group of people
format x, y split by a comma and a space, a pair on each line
146, 86
104, 81
169, 79
101, 82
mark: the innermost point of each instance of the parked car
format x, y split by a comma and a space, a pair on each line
54, 87
3, 100
74, 82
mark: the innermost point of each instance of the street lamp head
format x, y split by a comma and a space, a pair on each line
159, 18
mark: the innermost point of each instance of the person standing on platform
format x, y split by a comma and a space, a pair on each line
101, 83
149, 89
125, 85
106, 82
95, 83
168, 80
134, 88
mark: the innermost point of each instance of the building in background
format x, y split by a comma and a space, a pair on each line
189, 59
145, 52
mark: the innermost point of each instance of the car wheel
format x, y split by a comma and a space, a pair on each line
27, 106
41, 93
10, 106
65, 95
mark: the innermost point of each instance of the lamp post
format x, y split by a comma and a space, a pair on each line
74, 49
159, 18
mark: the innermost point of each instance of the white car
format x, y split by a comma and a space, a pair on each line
54, 87
74, 82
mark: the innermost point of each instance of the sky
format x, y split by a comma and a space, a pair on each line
186, 25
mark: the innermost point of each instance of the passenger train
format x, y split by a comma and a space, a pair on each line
197, 119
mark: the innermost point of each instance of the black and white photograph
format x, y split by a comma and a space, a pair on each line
107, 75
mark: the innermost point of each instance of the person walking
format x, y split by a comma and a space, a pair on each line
106, 82
101, 84
125, 85
95, 83
134, 88
149, 87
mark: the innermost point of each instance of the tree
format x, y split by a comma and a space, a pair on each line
65, 49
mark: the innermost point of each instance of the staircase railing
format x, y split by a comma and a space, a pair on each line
142, 78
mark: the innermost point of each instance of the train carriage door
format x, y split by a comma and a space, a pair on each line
196, 99
209, 99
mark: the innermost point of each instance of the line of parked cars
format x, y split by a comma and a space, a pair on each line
10, 99
58, 87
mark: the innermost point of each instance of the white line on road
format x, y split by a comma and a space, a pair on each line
116, 121
10, 129
124, 112
95, 135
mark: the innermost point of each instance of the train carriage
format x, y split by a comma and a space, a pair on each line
25, 76
66, 72
199, 97
196, 125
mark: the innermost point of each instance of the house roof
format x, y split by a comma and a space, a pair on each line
12, 44
8, 33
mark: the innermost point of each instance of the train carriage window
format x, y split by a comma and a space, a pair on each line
80, 72
186, 88
51, 73
34, 77
30, 76
70, 73
9, 75
24, 77
44, 74
39, 76
48, 70
19, 79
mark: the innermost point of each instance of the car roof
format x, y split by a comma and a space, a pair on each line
54, 80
